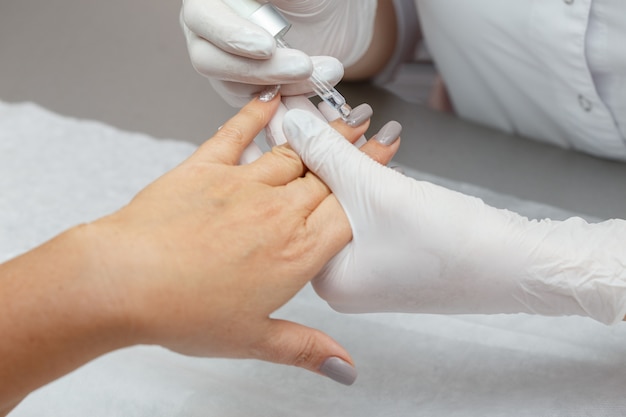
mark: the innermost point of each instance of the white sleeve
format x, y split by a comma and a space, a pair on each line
521, 67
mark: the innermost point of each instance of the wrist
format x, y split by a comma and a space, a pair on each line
103, 287
127, 267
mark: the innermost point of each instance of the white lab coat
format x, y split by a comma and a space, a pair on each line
549, 70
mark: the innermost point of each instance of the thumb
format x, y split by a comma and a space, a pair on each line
274, 131
297, 345
330, 156
323, 150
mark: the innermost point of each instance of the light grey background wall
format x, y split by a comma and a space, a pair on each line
124, 62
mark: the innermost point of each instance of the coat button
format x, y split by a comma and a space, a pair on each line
585, 103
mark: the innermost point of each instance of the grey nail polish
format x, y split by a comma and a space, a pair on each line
339, 370
269, 93
359, 115
389, 133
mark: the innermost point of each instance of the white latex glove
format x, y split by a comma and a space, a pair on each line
418, 247
275, 136
240, 57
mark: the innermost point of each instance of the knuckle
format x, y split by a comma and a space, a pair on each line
297, 248
190, 11
377, 155
232, 133
289, 156
317, 184
198, 56
307, 352
279, 349
255, 114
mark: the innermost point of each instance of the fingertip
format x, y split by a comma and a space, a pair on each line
249, 41
298, 123
383, 154
219, 24
322, 148
289, 66
328, 68
352, 134
260, 109
389, 133
293, 344
269, 93
359, 115
301, 128
384, 144
256, 44
339, 370
268, 100
275, 134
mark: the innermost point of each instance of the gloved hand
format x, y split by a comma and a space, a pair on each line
240, 57
418, 247
359, 118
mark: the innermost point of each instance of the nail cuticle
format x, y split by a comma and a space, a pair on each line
389, 133
359, 115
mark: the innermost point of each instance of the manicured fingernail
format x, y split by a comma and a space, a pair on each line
359, 115
339, 370
269, 93
389, 133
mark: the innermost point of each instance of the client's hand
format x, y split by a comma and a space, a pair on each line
215, 248
418, 247
196, 262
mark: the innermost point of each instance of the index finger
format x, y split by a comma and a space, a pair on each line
228, 144
219, 24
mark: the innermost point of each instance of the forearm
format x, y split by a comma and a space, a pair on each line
380, 49
54, 315
500, 262
576, 268
6, 410
496, 261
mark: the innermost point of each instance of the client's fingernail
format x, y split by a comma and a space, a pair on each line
359, 115
389, 133
339, 370
269, 93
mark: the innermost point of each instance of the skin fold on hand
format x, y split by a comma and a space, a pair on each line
197, 262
